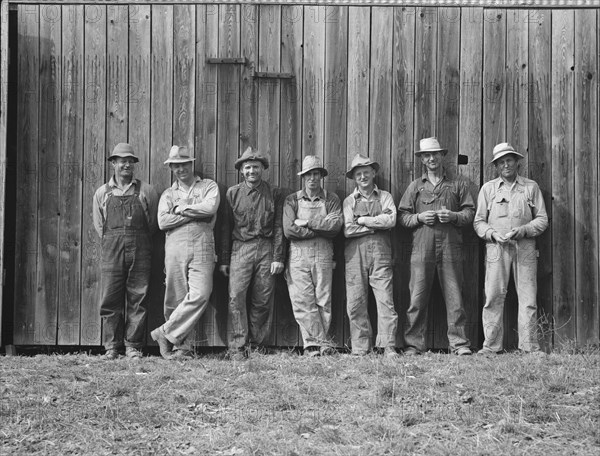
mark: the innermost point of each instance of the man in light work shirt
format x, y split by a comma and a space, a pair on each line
187, 212
369, 215
124, 214
312, 217
435, 207
510, 214
251, 252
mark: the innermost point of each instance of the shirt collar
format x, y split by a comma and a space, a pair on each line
425, 178
176, 185
499, 182
258, 188
320, 195
113, 183
358, 194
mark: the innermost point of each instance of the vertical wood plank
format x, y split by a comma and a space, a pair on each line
336, 84
228, 113
250, 20
268, 90
46, 297
469, 137
586, 177
94, 158
70, 204
117, 80
494, 85
207, 20
517, 68
313, 80
161, 140
380, 115
184, 78
425, 108
290, 139
139, 87
563, 168
402, 162
161, 102
27, 327
359, 31
207, 42
3, 136
540, 153
448, 87
426, 74
447, 94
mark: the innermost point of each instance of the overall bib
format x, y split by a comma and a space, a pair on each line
125, 271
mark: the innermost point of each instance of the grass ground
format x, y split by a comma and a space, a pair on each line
284, 404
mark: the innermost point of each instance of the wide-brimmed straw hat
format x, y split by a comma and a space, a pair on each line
251, 154
310, 163
429, 145
179, 154
502, 149
123, 150
358, 161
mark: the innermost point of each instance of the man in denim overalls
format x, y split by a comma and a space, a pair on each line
312, 217
510, 214
124, 214
436, 206
369, 215
187, 212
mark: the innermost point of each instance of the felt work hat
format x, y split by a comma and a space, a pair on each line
428, 145
251, 154
310, 163
179, 154
502, 149
361, 160
123, 150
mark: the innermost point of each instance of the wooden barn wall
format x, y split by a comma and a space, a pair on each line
372, 80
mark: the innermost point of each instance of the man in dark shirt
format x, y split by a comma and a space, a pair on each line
435, 207
251, 253
312, 217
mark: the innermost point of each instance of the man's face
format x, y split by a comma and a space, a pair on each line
184, 172
252, 171
312, 180
363, 176
124, 167
507, 166
432, 160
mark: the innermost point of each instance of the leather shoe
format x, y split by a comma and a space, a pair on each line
165, 346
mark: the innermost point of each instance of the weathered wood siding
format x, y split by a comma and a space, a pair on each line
367, 79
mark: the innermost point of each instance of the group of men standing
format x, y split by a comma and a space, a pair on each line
256, 220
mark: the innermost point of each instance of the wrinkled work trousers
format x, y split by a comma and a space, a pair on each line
446, 259
189, 266
125, 276
309, 275
369, 262
250, 269
520, 257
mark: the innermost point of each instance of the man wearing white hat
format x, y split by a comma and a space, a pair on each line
436, 206
124, 214
510, 214
369, 215
187, 213
251, 253
312, 217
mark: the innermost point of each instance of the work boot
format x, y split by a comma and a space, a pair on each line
132, 352
165, 346
463, 351
111, 353
390, 353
